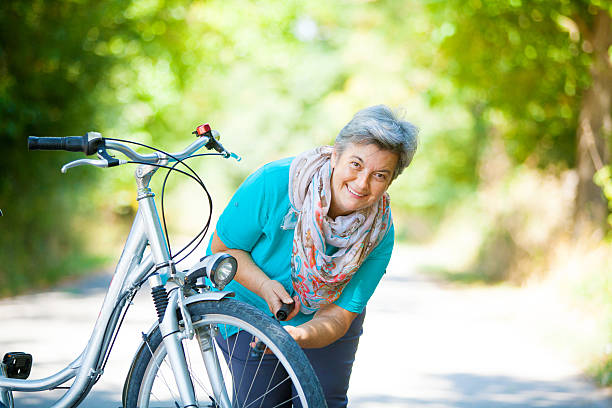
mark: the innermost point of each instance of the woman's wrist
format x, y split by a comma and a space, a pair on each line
261, 285
298, 334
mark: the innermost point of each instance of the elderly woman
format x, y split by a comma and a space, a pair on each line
316, 230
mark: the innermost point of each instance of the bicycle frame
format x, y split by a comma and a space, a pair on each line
131, 269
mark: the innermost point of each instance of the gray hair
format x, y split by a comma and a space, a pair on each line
380, 126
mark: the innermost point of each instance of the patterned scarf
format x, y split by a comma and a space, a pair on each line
319, 278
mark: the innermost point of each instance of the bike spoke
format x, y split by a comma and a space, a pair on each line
270, 382
245, 361
284, 402
230, 365
195, 377
269, 391
255, 375
160, 374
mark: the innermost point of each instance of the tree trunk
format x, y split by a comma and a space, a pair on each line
594, 128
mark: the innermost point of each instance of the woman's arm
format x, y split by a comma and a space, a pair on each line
329, 323
253, 278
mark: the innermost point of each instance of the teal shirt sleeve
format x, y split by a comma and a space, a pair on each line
360, 288
241, 224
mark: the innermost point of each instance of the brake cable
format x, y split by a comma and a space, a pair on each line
193, 176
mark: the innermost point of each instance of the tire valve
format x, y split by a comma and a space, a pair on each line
258, 350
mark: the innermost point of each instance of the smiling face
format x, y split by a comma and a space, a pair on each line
362, 173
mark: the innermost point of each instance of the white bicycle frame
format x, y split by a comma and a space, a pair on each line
133, 267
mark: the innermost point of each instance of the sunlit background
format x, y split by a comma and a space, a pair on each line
510, 185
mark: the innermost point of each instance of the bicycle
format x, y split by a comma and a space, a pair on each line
178, 362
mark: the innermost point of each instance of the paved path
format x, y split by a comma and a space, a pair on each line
425, 345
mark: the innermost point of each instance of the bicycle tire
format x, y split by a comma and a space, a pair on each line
146, 376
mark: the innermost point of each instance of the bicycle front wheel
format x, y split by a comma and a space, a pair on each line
225, 370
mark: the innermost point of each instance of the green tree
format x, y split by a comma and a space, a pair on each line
49, 73
542, 70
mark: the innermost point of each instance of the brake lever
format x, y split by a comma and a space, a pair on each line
105, 160
90, 162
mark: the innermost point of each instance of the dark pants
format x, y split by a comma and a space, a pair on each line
333, 365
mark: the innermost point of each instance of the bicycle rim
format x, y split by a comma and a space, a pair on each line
254, 386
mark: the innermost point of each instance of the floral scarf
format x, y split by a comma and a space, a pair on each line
319, 278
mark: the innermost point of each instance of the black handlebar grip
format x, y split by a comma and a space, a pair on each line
284, 311
76, 143
44, 143
69, 143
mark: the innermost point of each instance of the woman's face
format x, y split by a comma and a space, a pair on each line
362, 173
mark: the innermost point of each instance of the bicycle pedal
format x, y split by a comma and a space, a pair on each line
18, 364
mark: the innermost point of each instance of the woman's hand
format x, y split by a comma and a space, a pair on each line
275, 295
294, 331
328, 324
253, 278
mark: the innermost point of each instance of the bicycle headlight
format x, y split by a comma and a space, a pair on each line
223, 270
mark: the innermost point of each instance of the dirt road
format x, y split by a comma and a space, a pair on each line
425, 345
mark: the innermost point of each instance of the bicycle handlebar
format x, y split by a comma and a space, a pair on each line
155, 157
93, 142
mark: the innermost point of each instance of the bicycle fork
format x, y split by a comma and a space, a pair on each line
172, 338
211, 362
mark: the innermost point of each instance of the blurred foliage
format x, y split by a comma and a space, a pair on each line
524, 64
594, 289
277, 79
603, 178
525, 70
47, 84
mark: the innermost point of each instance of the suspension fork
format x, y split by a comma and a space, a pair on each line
205, 336
172, 338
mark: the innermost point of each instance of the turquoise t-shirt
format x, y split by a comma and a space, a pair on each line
252, 221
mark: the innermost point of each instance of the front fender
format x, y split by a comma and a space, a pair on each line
142, 347
210, 295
